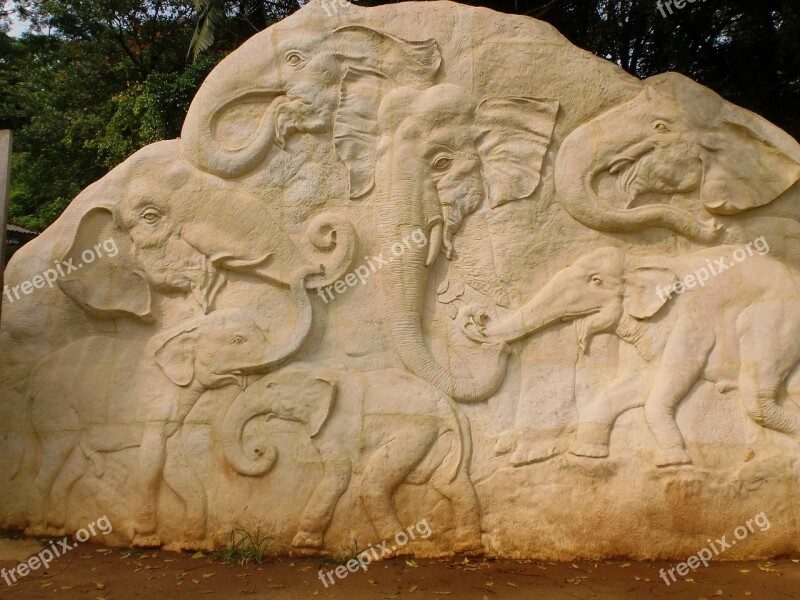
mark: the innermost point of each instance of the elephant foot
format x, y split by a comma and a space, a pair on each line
506, 442
37, 530
527, 453
672, 457
150, 540
307, 539
589, 450
469, 546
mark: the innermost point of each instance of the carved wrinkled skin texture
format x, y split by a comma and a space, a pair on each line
419, 261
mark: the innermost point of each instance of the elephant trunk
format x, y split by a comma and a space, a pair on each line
579, 163
550, 305
400, 215
208, 145
278, 354
331, 233
246, 406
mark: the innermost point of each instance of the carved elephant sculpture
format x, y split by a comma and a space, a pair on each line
434, 156
290, 85
402, 428
135, 393
742, 324
179, 230
673, 157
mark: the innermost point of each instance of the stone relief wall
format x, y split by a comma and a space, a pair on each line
420, 261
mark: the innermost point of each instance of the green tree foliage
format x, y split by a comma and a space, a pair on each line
93, 82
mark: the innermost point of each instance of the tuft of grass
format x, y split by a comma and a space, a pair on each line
246, 547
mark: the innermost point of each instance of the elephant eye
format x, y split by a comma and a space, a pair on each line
151, 216
442, 163
238, 340
597, 280
294, 58
661, 127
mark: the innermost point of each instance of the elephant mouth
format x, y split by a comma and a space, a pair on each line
238, 378
627, 169
577, 314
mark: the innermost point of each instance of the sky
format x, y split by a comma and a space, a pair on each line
17, 26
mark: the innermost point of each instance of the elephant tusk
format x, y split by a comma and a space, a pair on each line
435, 239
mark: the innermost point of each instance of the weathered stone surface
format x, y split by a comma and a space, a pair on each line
421, 262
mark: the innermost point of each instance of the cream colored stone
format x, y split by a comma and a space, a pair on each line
421, 262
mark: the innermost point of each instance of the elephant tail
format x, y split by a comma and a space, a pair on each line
334, 238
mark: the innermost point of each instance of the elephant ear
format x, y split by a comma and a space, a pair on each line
110, 286
750, 161
407, 62
746, 169
515, 135
356, 130
175, 354
642, 284
320, 396
309, 399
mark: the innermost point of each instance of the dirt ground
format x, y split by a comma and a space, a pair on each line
97, 573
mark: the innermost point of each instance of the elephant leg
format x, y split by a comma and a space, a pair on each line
405, 446
55, 449
681, 365
466, 508
319, 509
150, 469
769, 348
72, 471
598, 416
183, 480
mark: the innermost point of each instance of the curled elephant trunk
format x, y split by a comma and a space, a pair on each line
576, 173
406, 332
335, 236
279, 353
260, 460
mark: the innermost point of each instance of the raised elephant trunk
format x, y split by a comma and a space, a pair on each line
278, 354
407, 204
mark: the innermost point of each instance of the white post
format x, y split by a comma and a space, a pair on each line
5, 182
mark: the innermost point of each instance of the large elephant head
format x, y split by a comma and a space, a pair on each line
603, 292
674, 156
271, 88
178, 230
289, 395
434, 156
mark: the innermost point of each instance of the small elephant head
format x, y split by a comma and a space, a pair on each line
674, 156
291, 395
598, 291
212, 350
177, 230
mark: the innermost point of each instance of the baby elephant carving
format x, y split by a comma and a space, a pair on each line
402, 428
742, 321
132, 394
